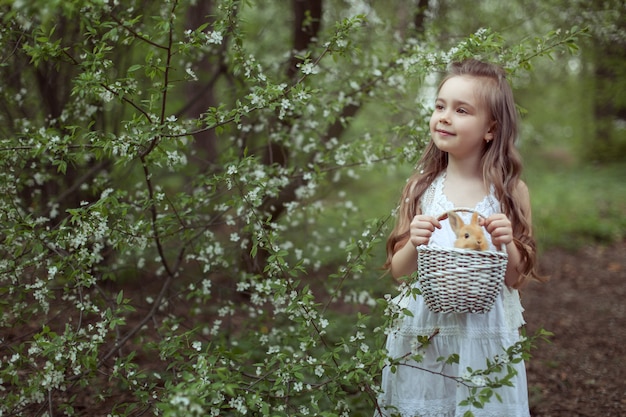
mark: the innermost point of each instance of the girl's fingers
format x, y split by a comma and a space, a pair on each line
421, 229
500, 229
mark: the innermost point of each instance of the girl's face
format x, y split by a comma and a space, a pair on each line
460, 124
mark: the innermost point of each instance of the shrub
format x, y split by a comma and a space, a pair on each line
160, 260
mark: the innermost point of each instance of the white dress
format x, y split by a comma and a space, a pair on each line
412, 392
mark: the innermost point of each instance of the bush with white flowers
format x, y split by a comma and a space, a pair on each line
157, 259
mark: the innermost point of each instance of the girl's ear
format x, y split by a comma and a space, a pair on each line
490, 132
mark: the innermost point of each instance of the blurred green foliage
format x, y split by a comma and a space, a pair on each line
578, 206
232, 273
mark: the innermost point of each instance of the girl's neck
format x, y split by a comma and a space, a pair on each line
464, 185
466, 169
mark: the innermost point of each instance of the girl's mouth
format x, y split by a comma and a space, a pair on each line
444, 132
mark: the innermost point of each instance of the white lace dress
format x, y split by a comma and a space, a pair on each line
412, 392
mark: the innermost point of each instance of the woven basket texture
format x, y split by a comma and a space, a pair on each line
460, 280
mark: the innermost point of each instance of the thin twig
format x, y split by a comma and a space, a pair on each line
135, 33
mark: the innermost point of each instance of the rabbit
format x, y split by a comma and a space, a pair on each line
469, 236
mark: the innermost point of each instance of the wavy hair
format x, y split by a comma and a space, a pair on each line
501, 162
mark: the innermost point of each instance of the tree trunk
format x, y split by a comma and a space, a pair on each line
609, 144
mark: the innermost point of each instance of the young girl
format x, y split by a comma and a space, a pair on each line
471, 161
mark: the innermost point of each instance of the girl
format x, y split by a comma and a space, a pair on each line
471, 161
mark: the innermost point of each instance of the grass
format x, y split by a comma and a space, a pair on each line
577, 206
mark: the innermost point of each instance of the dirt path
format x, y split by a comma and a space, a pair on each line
583, 371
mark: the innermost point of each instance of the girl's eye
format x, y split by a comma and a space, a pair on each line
438, 106
461, 110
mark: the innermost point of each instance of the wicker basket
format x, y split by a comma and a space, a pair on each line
460, 280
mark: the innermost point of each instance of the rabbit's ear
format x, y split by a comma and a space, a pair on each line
475, 218
455, 221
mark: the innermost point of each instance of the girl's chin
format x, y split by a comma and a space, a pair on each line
443, 144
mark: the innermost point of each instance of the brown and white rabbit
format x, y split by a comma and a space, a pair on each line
469, 236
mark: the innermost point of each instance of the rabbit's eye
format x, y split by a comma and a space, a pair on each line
466, 235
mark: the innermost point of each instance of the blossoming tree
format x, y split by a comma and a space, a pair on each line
165, 170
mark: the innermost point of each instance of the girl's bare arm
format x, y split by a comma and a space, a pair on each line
404, 261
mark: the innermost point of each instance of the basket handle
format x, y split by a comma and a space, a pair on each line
468, 210
460, 209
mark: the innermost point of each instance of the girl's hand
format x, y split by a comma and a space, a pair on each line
500, 228
422, 228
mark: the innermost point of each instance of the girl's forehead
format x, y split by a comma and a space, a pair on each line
460, 85
463, 88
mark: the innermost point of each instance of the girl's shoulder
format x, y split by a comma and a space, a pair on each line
521, 192
521, 187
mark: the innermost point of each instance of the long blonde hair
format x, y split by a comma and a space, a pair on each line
501, 162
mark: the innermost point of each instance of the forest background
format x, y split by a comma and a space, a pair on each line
195, 195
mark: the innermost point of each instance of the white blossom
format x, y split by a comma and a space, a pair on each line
215, 38
309, 68
478, 381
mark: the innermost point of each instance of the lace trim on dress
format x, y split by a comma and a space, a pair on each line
428, 198
435, 199
419, 409
475, 333
437, 409
439, 200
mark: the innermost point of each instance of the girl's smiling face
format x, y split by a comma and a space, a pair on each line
460, 124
